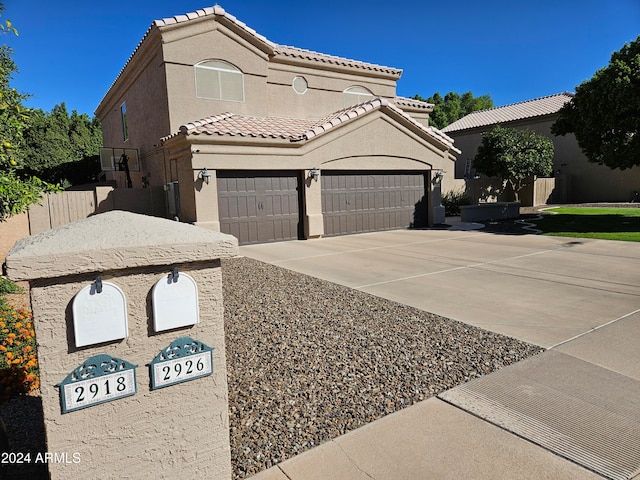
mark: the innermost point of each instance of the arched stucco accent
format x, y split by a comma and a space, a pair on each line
375, 162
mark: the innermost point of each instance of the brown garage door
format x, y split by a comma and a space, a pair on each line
258, 207
354, 202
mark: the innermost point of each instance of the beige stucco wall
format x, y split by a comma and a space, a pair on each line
171, 431
373, 142
158, 86
325, 90
583, 181
177, 431
11, 230
142, 87
204, 40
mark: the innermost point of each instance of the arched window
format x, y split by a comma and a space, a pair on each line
354, 95
219, 80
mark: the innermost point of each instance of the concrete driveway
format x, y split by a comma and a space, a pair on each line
543, 290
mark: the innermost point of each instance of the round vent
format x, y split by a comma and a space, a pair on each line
300, 85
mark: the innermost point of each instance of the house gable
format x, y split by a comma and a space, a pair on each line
209, 39
375, 129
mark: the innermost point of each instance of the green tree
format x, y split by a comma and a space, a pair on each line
55, 143
17, 189
604, 114
454, 106
514, 156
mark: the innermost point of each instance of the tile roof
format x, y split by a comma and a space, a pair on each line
215, 10
412, 103
294, 52
246, 126
270, 47
508, 113
284, 50
295, 129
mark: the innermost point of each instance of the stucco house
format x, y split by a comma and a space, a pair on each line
577, 179
270, 142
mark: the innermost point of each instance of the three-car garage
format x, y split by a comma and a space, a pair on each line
367, 168
266, 206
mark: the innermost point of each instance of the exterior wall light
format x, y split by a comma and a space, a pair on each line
439, 175
314, 173
205, 175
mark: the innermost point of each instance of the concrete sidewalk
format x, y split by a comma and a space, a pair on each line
572, 412
584, 420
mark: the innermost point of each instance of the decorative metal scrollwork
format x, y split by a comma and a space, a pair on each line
185, 359
100, 379
97, 366
180, 348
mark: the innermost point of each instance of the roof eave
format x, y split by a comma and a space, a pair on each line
318, 64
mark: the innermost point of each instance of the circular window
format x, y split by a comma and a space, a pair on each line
300, 85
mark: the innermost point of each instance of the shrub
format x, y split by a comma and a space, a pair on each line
7, 286
18, 362
453, 200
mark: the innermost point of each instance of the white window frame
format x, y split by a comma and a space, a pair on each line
110, 158
123, 117
231, 69
306, 84
358, 93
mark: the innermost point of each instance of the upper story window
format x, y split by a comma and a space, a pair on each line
356, 94
219, 80
123, 116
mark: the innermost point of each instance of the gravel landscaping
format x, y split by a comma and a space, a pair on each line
309, 360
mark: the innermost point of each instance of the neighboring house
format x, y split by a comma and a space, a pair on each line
269, 142
577, 179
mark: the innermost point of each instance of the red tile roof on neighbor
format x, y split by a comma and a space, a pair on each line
516, 111
295, 129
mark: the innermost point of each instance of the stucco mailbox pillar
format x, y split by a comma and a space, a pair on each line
128, 315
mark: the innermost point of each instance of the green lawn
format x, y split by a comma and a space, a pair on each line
604, 223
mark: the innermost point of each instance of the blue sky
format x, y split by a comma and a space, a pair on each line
71, 51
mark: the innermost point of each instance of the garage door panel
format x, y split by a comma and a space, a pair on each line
241, 229
354, 202
259, 206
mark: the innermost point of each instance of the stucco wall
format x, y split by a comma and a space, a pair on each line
325, 90
143, 89
583, 181
180, 431
11, 230
171, 432
206, 40
158, 87
373, 142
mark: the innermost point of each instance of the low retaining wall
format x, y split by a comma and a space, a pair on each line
489, 211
